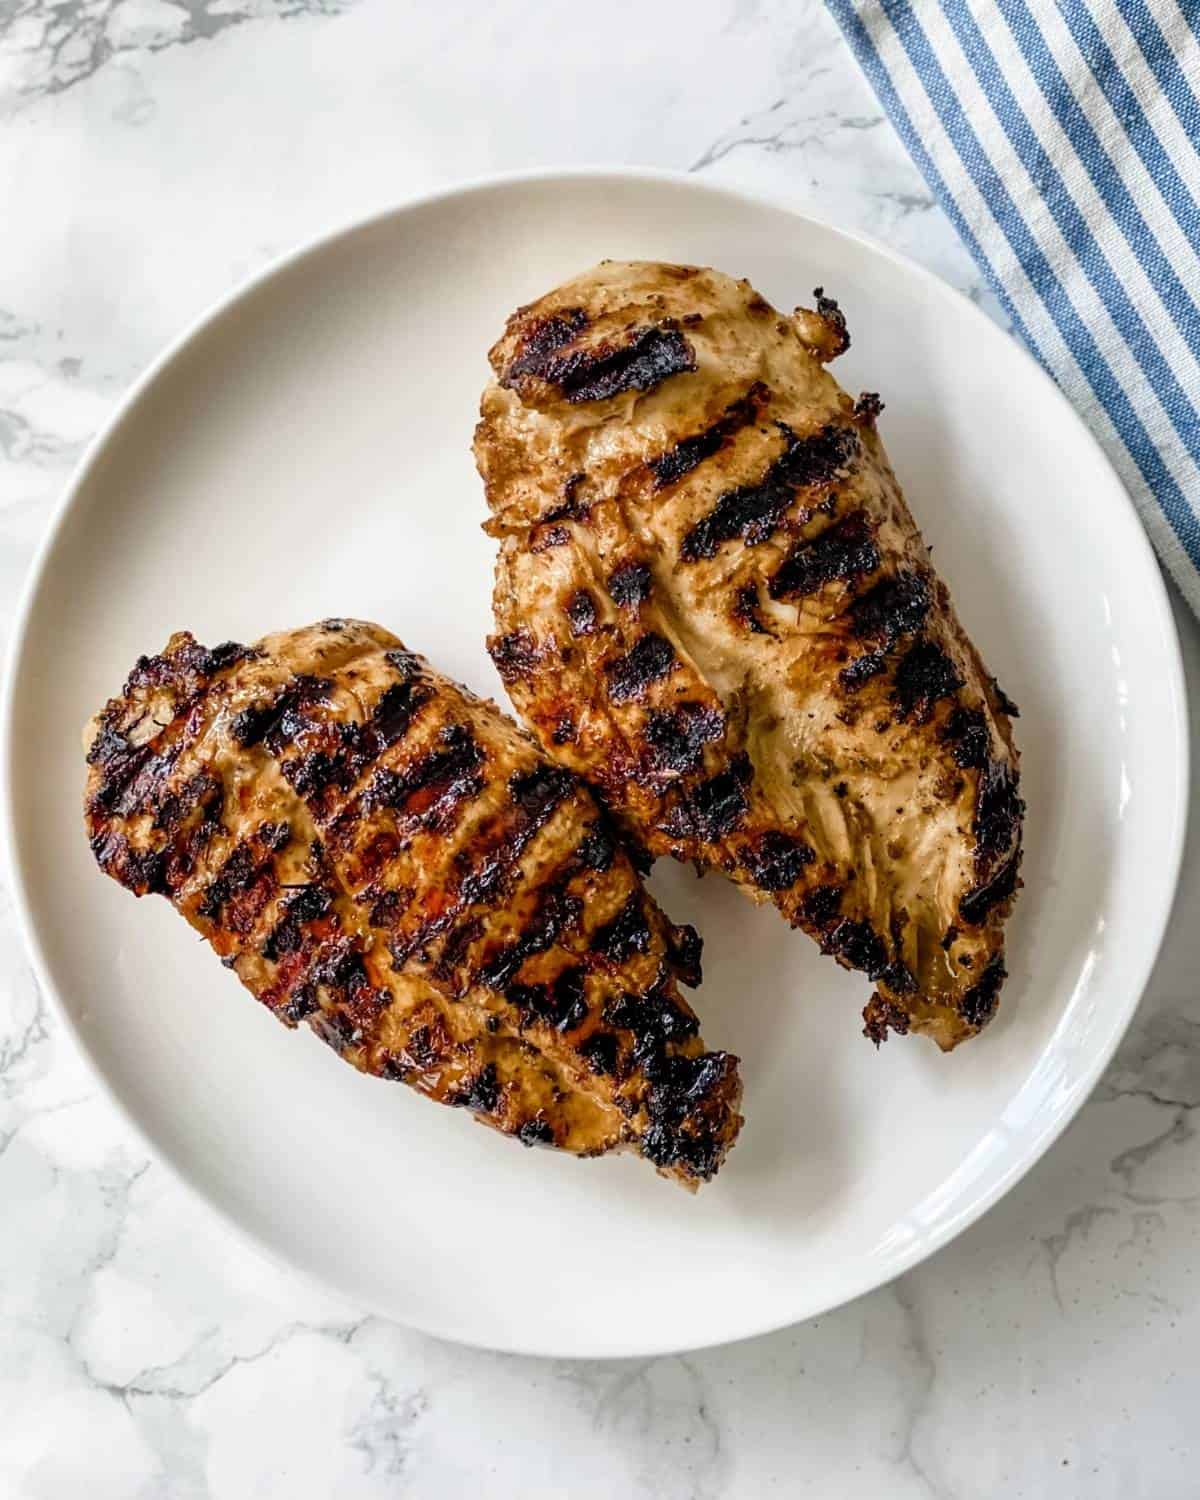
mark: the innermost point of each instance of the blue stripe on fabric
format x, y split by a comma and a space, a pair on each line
1099, 165
871, 63
1074, 228
1160, 58
1078, 337
1095, 51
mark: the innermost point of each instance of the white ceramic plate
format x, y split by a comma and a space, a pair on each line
305, 452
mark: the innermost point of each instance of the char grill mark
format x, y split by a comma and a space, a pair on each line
480, 1093
337, 1031
201, 792
862, 669
515, 655
486, 875
310, 903
325, 964
1004, 702
777, 860
821, 907
243, 868
966, 729
556, 914
387, 907
925, 675
142, 871
430, 789
881, 1016
626, 934
340, 970
333, 757
542, 342
449, 964
652, 1018
745, 609
110, 750
753, 511
650, 658
680, 1133
629, 585
561, 1004
395, 711
981, 899
835, 320
539, 791
857, 946
185, 854
683, 1101
651, 356
597, 850
570, 508
132, 777
685, 950
689, 452
427, 1045
654, 356
294, 1004
998, 810
336, 752
980, 1001
842, 551
900, 978
278, 721
893, 608
676, 737
715, 807
599, 1051
187, 669
867, 408
581, 612
405, 664
536, 1132
547, 537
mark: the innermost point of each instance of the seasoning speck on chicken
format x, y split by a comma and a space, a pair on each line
383, 856
792, 699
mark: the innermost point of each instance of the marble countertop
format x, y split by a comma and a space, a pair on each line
153, 153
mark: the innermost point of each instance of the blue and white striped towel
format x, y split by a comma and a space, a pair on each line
1063, 139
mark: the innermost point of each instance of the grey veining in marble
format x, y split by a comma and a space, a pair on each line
56, 46
152, 154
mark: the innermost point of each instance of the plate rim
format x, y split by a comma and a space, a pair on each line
324, 240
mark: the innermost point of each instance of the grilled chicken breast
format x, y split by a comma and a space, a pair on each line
378, 853
711, 601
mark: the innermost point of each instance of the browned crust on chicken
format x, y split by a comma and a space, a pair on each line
712, 601
383, 856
